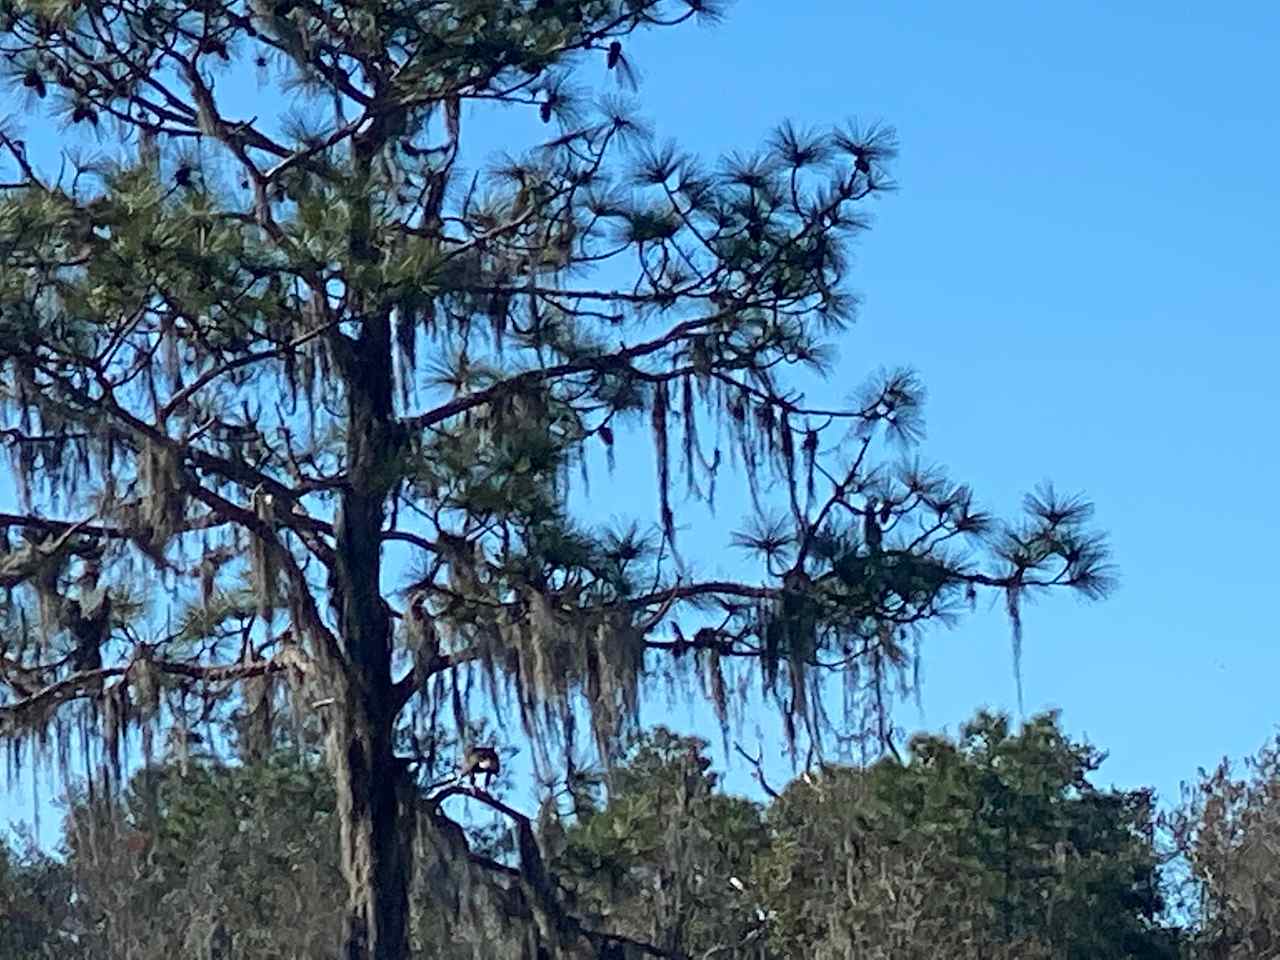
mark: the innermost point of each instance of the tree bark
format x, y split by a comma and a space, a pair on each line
375, 819
375, 837
372, 788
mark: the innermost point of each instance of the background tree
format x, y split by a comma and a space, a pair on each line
265, 360
202, 858
36, 911
993, 845
205, 859
1227, 830
664, 860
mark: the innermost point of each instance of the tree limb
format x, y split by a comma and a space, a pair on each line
85, 683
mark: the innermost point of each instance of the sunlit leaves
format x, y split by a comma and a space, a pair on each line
993, 844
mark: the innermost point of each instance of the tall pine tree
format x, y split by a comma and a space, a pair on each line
248, 352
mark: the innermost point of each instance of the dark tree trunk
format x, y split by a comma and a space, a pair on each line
373, 810
376, 823
375, 834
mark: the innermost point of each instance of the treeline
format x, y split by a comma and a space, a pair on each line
996, 844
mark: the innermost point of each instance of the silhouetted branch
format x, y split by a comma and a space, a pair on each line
757, 763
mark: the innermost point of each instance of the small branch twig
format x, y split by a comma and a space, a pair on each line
758, 763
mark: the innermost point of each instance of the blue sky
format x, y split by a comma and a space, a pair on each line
1081, 263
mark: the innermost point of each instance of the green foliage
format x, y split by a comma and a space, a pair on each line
655, 863
198, 854
993, 845
212, 336
36, 911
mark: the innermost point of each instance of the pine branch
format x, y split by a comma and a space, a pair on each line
604, 363
184, 396
88, 683
105, 532
45, 525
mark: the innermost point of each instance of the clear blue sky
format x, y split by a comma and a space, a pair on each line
1081, 262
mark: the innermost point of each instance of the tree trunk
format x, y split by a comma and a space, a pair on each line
373, 810
376, 829
375, 822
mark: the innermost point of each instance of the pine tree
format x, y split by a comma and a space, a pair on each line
249, 355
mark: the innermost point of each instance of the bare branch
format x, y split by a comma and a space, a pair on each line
757, 762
